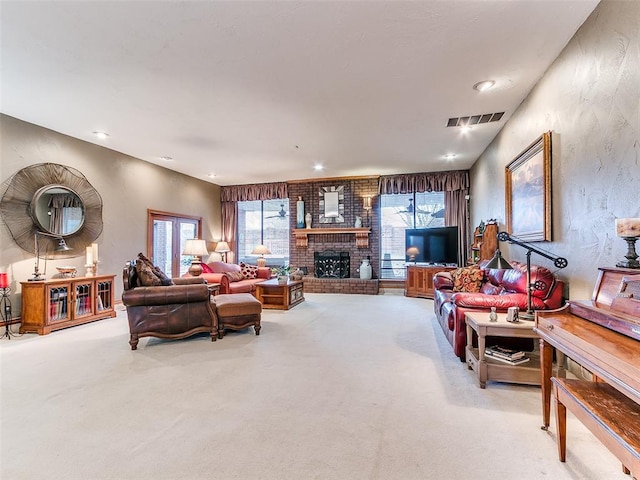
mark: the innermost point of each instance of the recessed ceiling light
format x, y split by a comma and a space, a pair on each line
450, 156
211, 175
465, 128
484, 85
317, 167
166, 159
101, 135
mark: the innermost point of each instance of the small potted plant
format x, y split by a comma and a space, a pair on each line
282, 273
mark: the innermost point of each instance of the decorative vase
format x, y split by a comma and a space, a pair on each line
282, 279
493, 316
365, 269
358, 223
307, 219
300, 213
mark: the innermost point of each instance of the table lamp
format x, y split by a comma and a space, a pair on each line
629, 230
222, 248
413, 252
197, 248
262, 251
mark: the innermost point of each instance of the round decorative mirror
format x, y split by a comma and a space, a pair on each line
57, 209
51, 198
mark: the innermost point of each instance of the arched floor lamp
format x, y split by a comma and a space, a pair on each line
500, 263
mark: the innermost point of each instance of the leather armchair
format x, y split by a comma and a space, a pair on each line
500, 289
171, 312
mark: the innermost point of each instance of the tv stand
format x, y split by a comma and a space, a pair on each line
419, 282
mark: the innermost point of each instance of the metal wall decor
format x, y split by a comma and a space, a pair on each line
331, 204
23, 198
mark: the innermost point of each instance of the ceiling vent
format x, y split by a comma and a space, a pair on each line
475, 119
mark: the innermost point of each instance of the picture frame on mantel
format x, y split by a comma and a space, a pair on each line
528, 192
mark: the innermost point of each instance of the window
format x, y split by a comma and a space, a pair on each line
264, 222
167, 236
398, 213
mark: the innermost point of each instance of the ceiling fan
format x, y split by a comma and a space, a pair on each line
410, 209
281, 214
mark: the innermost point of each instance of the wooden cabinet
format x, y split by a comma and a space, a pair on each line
280, 296
50, 305
485, 242
419, 282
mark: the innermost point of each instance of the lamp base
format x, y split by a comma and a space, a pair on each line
526, 316
261, 262
195, 269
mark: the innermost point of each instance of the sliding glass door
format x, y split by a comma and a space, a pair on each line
166, 238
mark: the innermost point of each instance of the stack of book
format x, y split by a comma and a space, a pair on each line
506, 355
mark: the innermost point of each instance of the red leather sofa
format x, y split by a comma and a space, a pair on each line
228, 284
500, 289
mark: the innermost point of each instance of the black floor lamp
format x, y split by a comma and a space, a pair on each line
498, 262
5, 304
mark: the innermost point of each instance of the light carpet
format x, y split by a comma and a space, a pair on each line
340, 387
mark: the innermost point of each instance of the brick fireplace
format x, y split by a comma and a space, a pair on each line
355, 189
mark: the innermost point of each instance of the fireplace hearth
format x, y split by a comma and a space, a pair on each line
331, 264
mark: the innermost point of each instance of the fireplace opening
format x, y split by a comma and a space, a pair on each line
331, 264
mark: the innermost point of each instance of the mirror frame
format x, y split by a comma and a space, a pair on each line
331, 204
18, 193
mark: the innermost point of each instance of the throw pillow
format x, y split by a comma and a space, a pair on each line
206, 268
164, 279
249, 271
467, 279
234, 276
146, 275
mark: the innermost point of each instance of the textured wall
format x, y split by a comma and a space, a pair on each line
128, 187
590, 99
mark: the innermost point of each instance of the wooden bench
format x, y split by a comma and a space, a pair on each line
611, 416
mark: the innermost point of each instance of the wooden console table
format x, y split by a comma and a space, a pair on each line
50, 305
302, 235
419, 282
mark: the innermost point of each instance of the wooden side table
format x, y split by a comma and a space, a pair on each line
489, 369
279, 296
214, 289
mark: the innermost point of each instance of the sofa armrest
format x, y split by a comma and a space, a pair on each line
264, 272
442, 281
191, 280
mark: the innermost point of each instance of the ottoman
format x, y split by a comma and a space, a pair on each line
236, 311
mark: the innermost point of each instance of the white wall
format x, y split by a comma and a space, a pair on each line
128, 187
590, 99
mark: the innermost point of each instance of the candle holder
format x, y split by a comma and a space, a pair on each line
92, 269
631, 256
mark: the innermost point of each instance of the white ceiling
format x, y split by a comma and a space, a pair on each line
261, 91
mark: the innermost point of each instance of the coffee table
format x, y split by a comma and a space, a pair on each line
489, 369
279, 296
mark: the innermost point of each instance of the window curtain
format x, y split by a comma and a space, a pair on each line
243, 193
454, 184
57, 204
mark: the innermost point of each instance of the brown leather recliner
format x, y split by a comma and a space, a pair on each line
171, 312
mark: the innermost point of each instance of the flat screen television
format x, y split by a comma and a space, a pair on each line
437, 245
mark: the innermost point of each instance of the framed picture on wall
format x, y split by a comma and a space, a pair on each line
528, 192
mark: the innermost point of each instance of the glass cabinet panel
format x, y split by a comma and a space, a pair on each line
83, 301
59, 303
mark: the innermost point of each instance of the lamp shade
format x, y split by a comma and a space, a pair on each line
195, 247
4, 280
498, 263
222, 247
628, 227
261, 250
366, 203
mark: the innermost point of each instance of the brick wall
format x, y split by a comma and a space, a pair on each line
355, 190
340, 285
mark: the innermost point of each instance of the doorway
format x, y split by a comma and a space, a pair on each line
167, 234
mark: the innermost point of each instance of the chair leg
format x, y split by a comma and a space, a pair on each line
257, 328
134, 341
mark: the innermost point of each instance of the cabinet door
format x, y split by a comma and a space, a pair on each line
83, 298
58, 303
104, 295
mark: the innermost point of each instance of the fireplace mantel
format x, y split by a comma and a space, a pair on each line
302, 235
